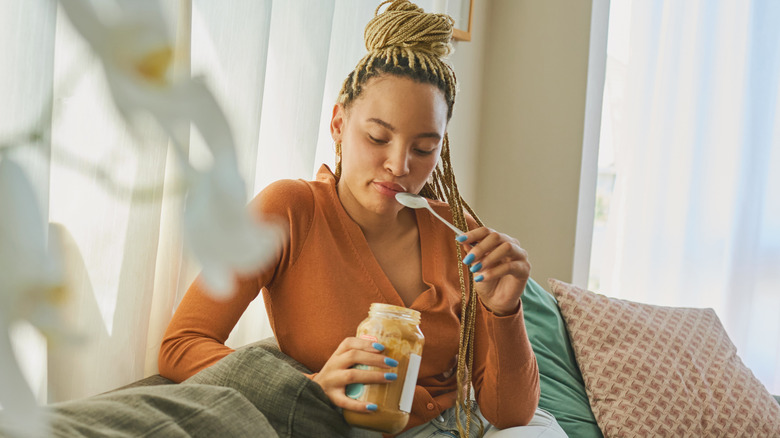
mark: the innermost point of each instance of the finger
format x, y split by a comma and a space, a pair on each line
484, 247
518, 269
354, 343
358, 357
351, 381
503, 253
472, 237
355, 351
344, 402
355, 375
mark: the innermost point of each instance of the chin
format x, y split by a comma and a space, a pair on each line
383, 205
387, 207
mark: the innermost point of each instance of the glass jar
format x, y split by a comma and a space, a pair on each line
398, 329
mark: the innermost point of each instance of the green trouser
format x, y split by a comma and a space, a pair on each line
293, 404
160, 411
250, 392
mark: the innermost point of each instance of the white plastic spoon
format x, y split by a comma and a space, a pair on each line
416, 201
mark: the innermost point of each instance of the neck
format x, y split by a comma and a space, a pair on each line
378, 229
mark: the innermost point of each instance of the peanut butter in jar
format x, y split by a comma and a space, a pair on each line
398, 329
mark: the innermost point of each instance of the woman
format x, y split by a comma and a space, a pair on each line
351, 244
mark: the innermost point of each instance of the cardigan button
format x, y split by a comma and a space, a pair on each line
430, 406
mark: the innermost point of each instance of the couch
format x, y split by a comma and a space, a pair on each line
611, 367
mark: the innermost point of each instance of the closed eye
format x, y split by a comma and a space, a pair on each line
424, 152
376, 140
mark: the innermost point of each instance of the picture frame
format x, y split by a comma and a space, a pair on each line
461, 11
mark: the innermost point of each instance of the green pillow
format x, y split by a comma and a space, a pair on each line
563, 391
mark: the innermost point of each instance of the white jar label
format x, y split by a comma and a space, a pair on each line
407, 394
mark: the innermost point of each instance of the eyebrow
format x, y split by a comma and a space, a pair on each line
391, 128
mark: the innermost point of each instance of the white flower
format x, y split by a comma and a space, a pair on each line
31, 278
31, 288
137, 52
220, 230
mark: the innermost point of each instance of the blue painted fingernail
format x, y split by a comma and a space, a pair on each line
378, 346
479, 278
469, 259
391, 362
462, 238
476, 267
391, 376
372, 407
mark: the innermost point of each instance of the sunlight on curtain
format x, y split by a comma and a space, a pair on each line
106, 194
27, 29
275, 68
298, 50
230, 48
688, 198
345, 50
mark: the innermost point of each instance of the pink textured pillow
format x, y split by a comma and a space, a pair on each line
662, 371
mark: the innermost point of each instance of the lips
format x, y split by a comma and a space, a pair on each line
388, 188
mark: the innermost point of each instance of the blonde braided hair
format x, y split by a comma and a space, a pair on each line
406, 41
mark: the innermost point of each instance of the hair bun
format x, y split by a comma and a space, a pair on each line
404, 24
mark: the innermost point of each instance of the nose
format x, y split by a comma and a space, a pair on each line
397, 161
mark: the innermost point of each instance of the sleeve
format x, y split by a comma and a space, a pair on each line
506, 376
195, 337
505, 373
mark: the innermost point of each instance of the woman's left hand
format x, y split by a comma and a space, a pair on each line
500, 266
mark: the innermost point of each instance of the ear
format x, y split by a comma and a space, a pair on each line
337, 123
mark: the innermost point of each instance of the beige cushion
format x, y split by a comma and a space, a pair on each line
662, 371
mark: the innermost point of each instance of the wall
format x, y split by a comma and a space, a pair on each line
464, 128
531, 131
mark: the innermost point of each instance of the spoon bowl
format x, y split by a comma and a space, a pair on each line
416, 201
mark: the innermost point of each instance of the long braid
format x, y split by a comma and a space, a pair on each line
405, 41
468, 301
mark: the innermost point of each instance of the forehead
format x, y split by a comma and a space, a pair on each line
401, 99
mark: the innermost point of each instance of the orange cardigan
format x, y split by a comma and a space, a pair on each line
321, 288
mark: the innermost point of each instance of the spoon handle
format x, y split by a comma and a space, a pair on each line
452, 227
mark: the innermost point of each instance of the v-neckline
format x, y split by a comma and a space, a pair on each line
371, 264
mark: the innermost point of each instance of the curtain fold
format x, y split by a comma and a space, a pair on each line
692, 90
113, 193
298, 51
26, 81
106, 194
345, 50
230, 48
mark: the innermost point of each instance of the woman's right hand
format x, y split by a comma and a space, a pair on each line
338, 371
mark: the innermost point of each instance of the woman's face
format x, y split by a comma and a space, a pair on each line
391, 138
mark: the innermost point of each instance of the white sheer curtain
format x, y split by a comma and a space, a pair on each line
691, 135
275, 66
19, 115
